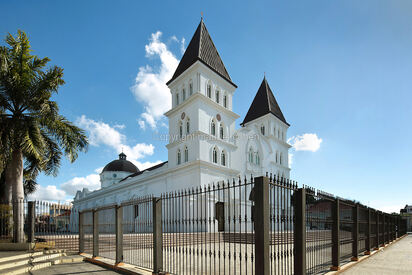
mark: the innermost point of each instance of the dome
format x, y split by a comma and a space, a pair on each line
121, 165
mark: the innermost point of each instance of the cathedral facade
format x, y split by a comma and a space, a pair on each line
204, 145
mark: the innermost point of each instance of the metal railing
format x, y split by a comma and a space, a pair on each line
338, 231
281, 197
263, 225
7, 220
46, 223
209, 230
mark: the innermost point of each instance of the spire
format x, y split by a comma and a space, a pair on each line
264, 103
202, 48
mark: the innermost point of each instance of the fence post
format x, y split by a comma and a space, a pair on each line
262, 226
394, 219
368, 233
119, 234
95, 233
385, 228
355, 232
335, 236
299, 232
378, 243
81, 232
32, 214
393, 228
157, 236
388, 228
398, 226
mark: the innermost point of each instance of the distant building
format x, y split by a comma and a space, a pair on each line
53, 217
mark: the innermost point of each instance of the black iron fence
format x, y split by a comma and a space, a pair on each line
46, 223
7, 219
263, 225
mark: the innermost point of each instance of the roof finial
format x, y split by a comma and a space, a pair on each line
264, 75
201, 16
122, 155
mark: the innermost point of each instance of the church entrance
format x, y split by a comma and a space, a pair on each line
220, 215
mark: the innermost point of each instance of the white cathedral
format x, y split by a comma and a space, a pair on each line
204, 144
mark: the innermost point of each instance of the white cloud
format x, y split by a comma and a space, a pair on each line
141, 124
101, 133
182, 46
49, 192
305, 142
386, 207
68, 189
98, 170
145, 165
119, 126
92, 182
150, 84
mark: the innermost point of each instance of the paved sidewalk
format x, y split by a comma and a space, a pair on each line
82, 268
395, 259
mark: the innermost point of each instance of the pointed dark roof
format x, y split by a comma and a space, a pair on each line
264, 103
202, 48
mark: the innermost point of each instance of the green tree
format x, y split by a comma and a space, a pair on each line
33, 135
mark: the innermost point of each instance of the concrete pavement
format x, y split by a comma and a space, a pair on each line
82, 268
395, 259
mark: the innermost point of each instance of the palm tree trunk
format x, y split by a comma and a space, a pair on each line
14, 177
7, 196
6, 199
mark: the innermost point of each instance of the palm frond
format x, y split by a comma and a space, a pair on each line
29, 119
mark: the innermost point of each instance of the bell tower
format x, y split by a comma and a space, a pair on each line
201, 120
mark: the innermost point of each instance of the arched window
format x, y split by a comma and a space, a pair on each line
262, 129
187, 126
281, 158
274, 131
214, 155
213, 128
209, 91
250, 155
278, 134
257, 160
179, 156
184, 94
225, 101
177, 99
180, 129
190, 88
223, 158
217, 96
186, 154
283, 136
221, 131
277, 157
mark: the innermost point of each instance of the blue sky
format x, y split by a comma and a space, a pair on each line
339, 69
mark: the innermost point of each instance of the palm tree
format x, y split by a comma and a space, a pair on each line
29, 185
33, 135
